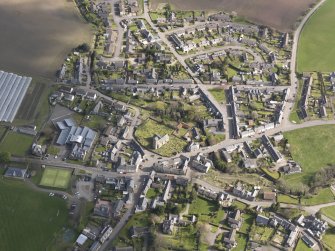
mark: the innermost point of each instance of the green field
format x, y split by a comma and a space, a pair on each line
313, 148
324, 195
329, 212
315, 48
17, 144
29, 219
56, 177
282, 198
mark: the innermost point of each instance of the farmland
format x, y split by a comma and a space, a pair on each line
56, 177
50, 30
31, 216
307, 145
280, 14
315, 52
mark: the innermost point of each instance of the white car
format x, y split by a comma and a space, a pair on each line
51, 194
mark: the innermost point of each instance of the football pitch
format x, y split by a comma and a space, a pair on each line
56, 177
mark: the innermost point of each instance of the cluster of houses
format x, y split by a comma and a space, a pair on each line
68, 94
222, 198
179, 165
240, 190
107, 206
236, 99
311, 229
234, 220
127, 8
92, 237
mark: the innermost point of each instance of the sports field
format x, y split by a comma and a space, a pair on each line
29, 219
56, 177
315, 49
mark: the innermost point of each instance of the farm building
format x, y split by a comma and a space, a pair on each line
12, 91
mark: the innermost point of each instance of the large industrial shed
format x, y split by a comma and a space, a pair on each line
12, 91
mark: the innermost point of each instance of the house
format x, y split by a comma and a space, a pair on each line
136, 232
193, 146
262, 220
291, 167
293, 236
166, 191
274, 154
234, 219
91, 96
250, 163
118, 206
226, 156
229, 239
159, 141
106, 232
168, 226
201, 163
38, 150
142, 205
69, 97
178, 165
103, 208
269, 196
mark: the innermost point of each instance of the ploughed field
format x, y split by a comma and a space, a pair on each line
280, 14
36, 35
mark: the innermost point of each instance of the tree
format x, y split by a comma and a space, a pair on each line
5, 157
83, 48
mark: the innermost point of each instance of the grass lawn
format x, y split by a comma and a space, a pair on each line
283, 198
315, 49
17, 144
207, 211
260, 233
218, 94
239, 205
241, 240
29, 219
301, 246
328, 239
248, 220
149, 129
312, 148
56, 177
202, 206
152, 193
329, 212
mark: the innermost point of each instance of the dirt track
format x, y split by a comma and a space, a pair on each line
36, 35
280, 14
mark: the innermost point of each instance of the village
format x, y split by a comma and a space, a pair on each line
173, 130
